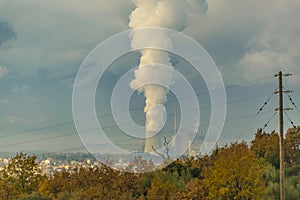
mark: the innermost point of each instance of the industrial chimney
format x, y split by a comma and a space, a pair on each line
152, 138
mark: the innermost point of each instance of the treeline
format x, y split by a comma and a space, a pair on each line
237, 171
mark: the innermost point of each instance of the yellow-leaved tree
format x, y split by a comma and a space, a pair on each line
236, 174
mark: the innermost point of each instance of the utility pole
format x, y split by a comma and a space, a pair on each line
280, 110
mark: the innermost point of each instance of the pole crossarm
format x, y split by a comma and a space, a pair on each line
285, 109
286, 91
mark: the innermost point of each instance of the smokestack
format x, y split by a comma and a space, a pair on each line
155, 13
155, 119
152, 141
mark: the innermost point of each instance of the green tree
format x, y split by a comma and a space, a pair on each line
272, 191
21, 176
6, 190
35, 196
172, 179
292, 187
266, 146
292, 146
160, 190
194, 190
60, 182
236, 174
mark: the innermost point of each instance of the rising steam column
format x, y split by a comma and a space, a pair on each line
155, 120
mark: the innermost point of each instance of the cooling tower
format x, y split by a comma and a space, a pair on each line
152, 141
152, 138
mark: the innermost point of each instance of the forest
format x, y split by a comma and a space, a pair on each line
236, 171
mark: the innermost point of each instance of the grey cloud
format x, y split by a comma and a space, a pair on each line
276, 47
6, 32
58, 35
256, 36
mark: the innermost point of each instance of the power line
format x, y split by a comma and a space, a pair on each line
68, 134
266, 124
293, 103
108, 114
226, 120
258, 112
111, 126
73, 133
197, 94
292, 123
71, 122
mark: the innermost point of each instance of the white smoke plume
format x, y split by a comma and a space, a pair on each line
164, 14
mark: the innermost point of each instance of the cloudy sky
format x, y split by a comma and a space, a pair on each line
43, 43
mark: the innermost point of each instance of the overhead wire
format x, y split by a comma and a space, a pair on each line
106, 127
198, 94
119, 141
111, 114
267, 123
80, 148
292, 123
293, 103
258, 112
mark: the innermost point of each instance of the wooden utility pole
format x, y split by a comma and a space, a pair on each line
281, 156
280, 110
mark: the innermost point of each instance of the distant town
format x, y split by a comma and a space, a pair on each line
50, 163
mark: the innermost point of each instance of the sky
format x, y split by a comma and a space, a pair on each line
43, 43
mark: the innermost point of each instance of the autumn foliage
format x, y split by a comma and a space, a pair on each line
237, 171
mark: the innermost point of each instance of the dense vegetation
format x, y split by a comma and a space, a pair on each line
236, 171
